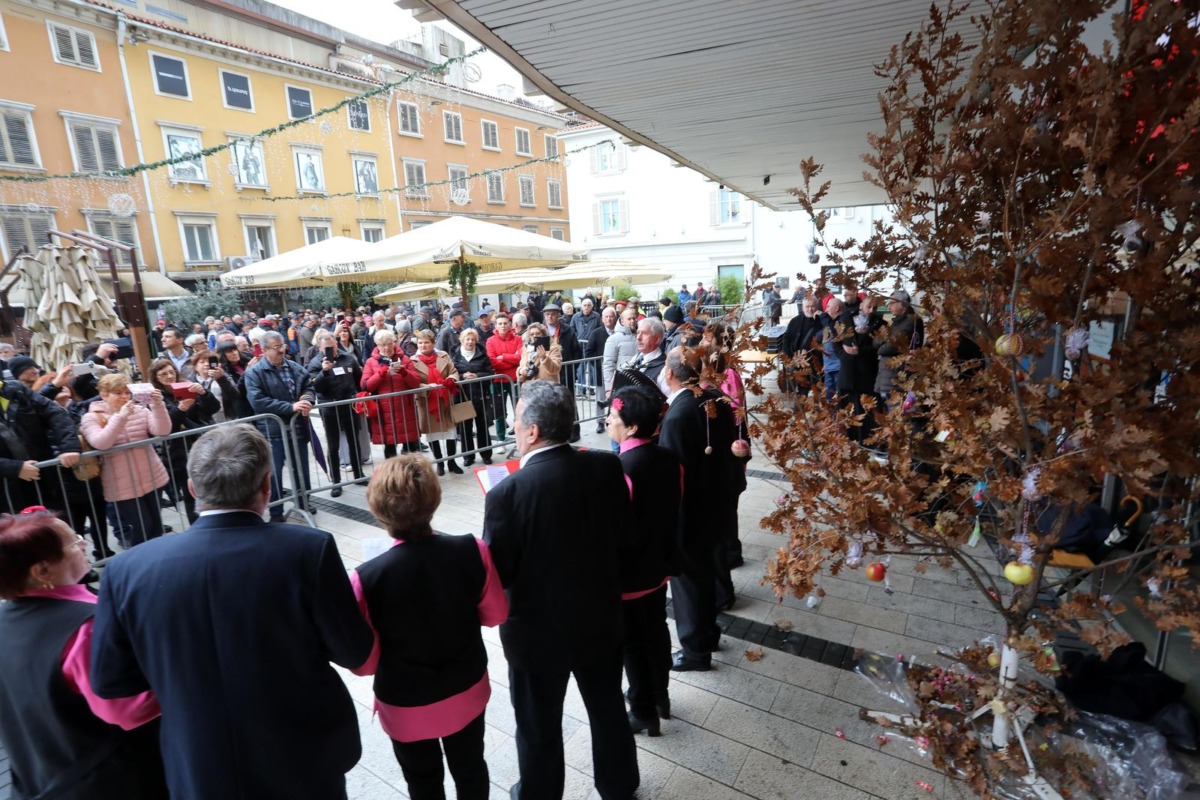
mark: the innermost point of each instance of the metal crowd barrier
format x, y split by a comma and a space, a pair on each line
169, 506
587, 384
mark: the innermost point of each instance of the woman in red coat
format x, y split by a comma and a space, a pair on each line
393, 420
504, 349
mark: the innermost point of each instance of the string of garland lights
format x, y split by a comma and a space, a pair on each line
266, 133
447, 182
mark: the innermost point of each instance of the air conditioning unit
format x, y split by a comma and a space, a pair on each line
237, 262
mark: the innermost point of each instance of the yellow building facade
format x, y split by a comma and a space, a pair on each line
88, 88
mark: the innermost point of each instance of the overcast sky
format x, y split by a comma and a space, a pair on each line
381, 21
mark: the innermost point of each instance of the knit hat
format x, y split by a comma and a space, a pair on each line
21, 363
673, 314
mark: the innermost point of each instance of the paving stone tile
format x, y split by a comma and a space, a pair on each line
982, 619
764, 731
362, 784
770, 778
944, 633
697, 749
733, 683
691, 703
653, 770
812, 623
951, 593
873, 770
892, 644
863, 614
794, 670
687, 785
912, 604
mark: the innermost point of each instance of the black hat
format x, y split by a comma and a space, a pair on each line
21, 363
673, 314
631, 377
458, 312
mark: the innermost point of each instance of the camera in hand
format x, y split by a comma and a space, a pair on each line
330, 354
214, 363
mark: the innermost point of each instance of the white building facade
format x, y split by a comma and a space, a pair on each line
636, 204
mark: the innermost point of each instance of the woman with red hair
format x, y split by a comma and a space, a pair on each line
62, 740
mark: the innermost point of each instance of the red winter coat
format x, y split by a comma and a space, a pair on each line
393, 420
505, 354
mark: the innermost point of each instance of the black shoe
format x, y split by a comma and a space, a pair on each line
468, 460
441, 468
648, 726
681, 663
487, 460
574, 434
424, 447
168, 529
600, 427
335, 491
661, 704
454, 467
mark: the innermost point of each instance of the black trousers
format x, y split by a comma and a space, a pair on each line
537, 699
693, 595
421, 763
474, 432
339, 419
389, 450
647, 652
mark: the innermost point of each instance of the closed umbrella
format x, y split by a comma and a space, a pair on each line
66, 306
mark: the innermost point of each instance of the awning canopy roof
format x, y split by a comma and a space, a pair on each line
740, 90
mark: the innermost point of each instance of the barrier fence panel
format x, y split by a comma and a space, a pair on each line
584, 376
140, 492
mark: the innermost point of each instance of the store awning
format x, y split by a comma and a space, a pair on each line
155, 285
740, 91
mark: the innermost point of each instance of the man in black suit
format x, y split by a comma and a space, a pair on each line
233, 624
650, 358
711, 481
550, 533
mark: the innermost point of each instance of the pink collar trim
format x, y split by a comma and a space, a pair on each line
77, 592
630, 444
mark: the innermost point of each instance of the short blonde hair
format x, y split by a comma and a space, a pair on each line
534, 329
403, 495
425, 333
469, 332
112, 383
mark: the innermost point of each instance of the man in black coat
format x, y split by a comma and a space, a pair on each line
712, 480
650, 357
33, 428
562, 334
233, 624
549, 527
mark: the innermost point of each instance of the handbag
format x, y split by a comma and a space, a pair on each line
87, 468
364, 406
461, 412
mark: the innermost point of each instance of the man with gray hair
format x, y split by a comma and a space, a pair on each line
519, 323
281, 387
650, 357
559, 568
232, 625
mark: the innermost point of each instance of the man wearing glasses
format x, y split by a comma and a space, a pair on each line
281, 387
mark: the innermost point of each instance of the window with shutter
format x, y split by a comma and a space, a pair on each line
558, 233
491, 135
118, 230
96, 148
495, 187
410, 119
523, 146
554, 193
526, 185
414, 179
24, 230
73, 46
612, 214
551, 146
453, 124
360, 115
16, 138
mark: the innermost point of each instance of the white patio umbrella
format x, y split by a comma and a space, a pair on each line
321, 264
66, 306
576, 276
426, 253
419, 290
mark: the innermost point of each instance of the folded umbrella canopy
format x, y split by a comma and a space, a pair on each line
321, 264
416, 290
577, 276
66, 306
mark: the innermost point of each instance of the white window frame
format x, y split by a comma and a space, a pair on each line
184, 131
3, 36
259, 222
123, 257
373, 226
249, 88
419, 223
531, 229
309, 150
499, 178
57, 56
20, 212
528, 149
355, 158
316, 225
187, 78
558, 233
727, 208
287, 100
414, 188
26, 111
113, 126
495, 128
614, 159
447, 117
235, 149
416, 117
462, 181
523, 182
200, 221
551, 143
350, 116
622, 215
551, 185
